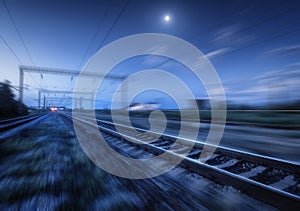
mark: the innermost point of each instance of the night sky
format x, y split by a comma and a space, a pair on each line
253, 45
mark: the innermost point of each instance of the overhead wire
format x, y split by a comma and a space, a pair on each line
18, 32
114, 23
22, 40
109, 30
19, 60
95, 34
99, 26
11, 50
93, 39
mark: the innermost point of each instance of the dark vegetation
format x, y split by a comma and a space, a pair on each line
9, 106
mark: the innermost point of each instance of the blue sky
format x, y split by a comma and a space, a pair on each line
253, 45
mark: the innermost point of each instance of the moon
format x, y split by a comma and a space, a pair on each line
167, 18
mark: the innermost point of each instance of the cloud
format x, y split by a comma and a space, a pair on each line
267, 88
232, 35
154, 61
286, 50
277, 86
296, 64
216, 53
226, 33
281, 74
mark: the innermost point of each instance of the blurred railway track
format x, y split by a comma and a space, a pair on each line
270, 180
8, 124
43, 167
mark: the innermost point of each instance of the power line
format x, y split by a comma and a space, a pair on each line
22, 40
95, 35
108, 32
92, 41
11, 50
35, 80
114, 23
19, 34
14, 53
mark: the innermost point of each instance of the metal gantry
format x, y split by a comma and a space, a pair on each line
46, 91
58, 71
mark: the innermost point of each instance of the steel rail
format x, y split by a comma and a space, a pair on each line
262, 192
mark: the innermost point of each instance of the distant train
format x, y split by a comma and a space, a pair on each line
57, 108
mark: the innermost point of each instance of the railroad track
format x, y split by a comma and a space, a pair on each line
273, 181
8, 124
